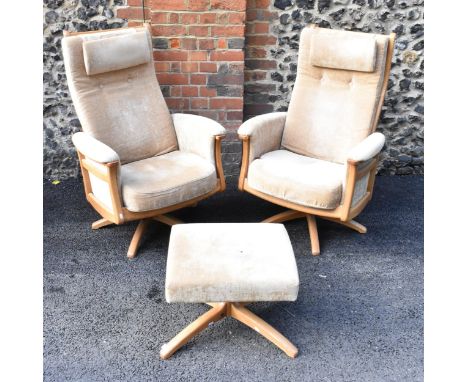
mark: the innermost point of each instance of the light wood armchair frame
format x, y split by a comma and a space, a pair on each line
346, 211
108, 172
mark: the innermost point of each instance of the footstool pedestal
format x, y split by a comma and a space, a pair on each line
227, 266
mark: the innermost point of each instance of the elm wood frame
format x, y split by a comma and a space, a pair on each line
346, 211
228, 309
108, 172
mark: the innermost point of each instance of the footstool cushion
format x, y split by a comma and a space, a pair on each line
218, 262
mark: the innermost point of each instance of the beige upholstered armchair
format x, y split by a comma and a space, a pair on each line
138, 161
319, 158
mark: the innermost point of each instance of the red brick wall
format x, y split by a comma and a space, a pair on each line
199, 57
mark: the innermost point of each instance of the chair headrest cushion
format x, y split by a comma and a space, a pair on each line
343, 50
117, 52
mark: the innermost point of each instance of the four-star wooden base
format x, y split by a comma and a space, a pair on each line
140, 230
228, 309
312, 224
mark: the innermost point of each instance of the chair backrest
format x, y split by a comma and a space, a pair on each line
115, 91
338, 93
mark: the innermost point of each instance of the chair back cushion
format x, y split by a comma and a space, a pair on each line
116, 94
115, 53
336, 95
353, 51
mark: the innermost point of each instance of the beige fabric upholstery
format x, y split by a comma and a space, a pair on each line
195, 134
332, 110
299, 179
123, 109
93, 149
342, 50
360, 189
116, 53
265, 132
101, 190
165, 180
368, 148
230, 262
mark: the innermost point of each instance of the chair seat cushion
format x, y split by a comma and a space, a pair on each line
165, 180
298, 179
217, 262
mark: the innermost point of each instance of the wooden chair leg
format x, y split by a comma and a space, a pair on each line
314, 239
100, 223
250, 319
136, 239
168, 219
353, 224
192, 330
284, 216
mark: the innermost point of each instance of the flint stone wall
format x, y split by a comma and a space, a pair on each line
402, 117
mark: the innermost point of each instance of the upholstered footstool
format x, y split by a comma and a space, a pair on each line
227, 266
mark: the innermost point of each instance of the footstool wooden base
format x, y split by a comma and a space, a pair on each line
230, 264
228, 309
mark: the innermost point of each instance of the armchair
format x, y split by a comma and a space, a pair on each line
320, 157
138, 161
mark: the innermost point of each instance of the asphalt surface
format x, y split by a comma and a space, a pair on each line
358, 316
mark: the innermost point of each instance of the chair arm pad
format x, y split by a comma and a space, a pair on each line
196, 134
265, 132
265, 123
368, 148
93, 149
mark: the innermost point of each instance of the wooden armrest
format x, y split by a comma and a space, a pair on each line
107, 172
355, 171
245, 160
218, 161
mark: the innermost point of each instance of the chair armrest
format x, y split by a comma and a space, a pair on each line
93, 149
360, 174
100, 167
367, 149
264, 132
196, 134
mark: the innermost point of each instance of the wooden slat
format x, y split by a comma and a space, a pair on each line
219, 163
245, 160
98, 170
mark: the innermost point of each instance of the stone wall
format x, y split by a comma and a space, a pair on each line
272, 40
60, 121
272, 29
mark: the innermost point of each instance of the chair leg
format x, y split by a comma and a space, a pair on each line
284, 216
314, 239
101, 223
354, 225
136, 239
214, 314
250, 319
168, 220
291, 215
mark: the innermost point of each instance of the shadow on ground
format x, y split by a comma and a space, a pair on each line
358, 317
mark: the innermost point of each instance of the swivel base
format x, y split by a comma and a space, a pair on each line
140, 230
228, 309
312, 224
